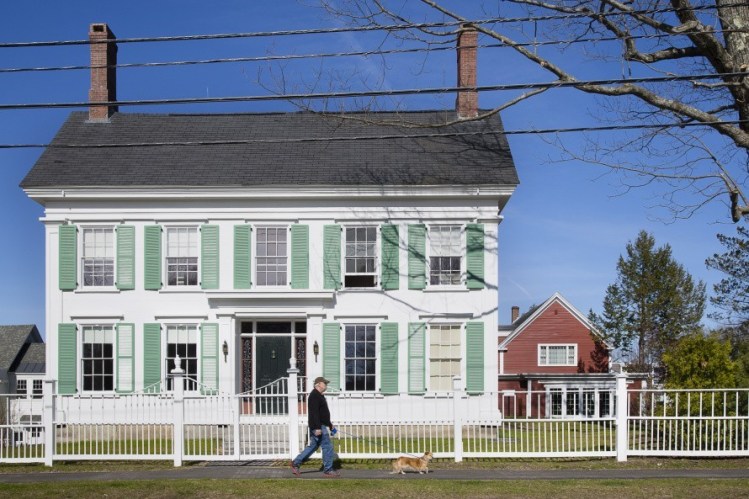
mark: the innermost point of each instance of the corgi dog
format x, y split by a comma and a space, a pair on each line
420, 464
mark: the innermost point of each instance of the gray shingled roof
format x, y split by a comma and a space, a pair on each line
34, 360
282, 153
12, 340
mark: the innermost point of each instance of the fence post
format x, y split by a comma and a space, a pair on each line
293, 391
622, 418
48, 420
178, 431
238, 406
458, 419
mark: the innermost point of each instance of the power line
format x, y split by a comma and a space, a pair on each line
392, 27
375, 93
362, 53
542, 131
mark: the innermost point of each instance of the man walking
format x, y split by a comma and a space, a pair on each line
318, 416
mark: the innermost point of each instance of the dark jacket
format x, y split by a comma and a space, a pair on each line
318, 413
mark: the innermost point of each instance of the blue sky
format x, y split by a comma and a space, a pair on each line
563, 230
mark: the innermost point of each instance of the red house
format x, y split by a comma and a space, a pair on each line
553, 363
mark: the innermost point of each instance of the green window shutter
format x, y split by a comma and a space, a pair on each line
390, 268
125, 257
67, 359
152, 358
68, 257
475, 357
299, 256
209, 257
416, 364
417, 256
152, 257
331, 354
242, 254
125, 358
475, 256
209, 358
332, 257
389, 357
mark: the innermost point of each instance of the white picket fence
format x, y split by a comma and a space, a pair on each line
270, 424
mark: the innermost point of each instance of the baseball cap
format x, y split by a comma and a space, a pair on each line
320, 379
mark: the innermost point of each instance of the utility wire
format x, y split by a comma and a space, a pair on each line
363, 53
392, 27
541, 131
375, 93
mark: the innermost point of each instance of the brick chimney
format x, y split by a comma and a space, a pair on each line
514, 313
467, 103
103, 72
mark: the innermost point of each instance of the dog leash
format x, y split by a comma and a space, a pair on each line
376, 443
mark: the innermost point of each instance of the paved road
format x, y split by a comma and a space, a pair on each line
240, 471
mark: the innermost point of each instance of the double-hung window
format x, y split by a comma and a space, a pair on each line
360, 357
444, 356
97, 260
182, 341
445, 252
97, 358
557, 355
271, 266
361, 257
21, 387
182, 256
37, 387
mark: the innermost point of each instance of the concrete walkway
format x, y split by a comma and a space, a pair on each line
243, 471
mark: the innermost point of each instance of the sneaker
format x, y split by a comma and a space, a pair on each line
331, 474
295, 469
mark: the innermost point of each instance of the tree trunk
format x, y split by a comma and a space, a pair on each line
734, 19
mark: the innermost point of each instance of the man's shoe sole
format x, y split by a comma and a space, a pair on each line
295, 470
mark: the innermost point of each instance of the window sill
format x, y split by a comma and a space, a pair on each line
376, 289
94, 289
185, 289
446, 289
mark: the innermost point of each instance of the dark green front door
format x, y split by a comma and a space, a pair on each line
272, 362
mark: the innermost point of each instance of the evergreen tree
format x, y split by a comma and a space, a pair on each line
652, 304
700, 361
732, 292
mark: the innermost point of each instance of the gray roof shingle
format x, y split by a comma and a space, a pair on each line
12, 341
274, 149
34, 360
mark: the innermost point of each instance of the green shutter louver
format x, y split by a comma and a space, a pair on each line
242, 255
417, 256
416, 363
299, 256
475, 357
475, 256
67, 359
209, 257
125, 358
152, 358
125, 257
390, 248
389, 357
152, 257
209, 358
331, 354
68, 257
332, 257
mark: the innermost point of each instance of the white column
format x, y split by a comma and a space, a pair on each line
48, 420
458, 419
178, 431
293, 408
621, 417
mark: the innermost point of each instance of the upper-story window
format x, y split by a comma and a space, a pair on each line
361, 257
97, 260
557, 355
271, 266
97, 358
37, 387
445, 250
182, 251
21, 387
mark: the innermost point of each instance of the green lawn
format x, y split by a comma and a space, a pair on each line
402, 489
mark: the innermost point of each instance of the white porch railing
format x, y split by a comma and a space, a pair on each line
270, 423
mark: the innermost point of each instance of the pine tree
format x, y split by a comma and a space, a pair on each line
652, 304
732, 292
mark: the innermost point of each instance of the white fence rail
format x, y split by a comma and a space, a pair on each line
270, 423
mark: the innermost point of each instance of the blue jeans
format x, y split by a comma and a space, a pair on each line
315, 442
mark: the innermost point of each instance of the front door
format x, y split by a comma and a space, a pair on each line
272, 362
